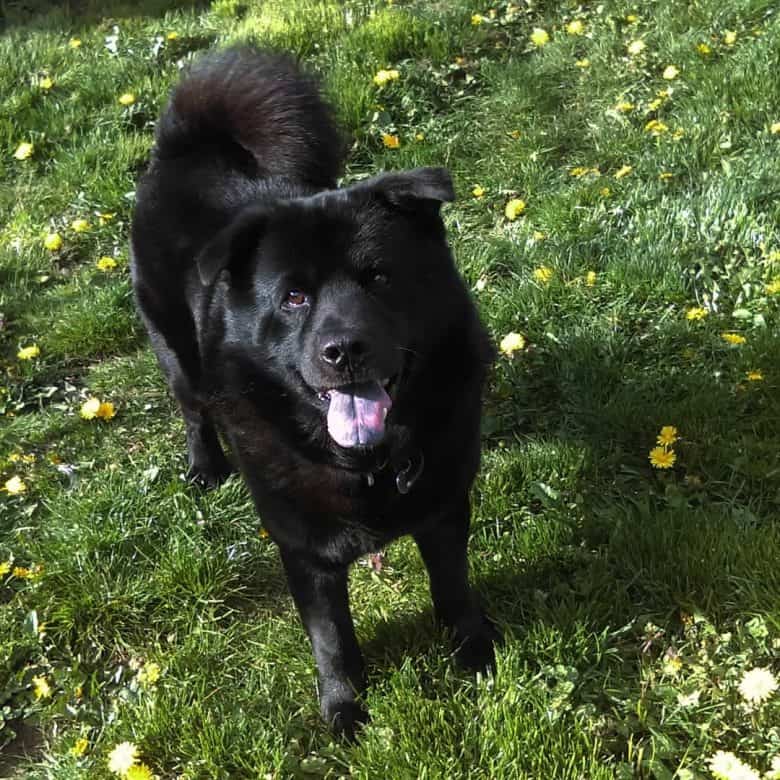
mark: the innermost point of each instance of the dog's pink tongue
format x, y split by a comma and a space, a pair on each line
357, 414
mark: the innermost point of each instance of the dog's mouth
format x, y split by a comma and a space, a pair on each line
357, 411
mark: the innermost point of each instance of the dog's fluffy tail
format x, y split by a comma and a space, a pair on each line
258, 108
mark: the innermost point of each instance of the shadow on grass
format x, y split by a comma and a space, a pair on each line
25, 747
630, 544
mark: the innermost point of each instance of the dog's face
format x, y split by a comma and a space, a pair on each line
332, 296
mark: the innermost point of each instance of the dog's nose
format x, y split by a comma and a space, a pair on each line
343, 353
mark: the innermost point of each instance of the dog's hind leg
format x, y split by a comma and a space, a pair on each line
177, 353
208, 465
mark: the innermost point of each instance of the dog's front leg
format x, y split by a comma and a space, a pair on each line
443, 546
321, 595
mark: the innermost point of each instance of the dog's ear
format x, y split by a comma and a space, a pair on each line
409, 190
232, 244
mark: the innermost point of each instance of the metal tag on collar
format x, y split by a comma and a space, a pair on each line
370, 479
405, 480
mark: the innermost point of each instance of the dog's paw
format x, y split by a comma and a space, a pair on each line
475, 650
211, 473
344, 717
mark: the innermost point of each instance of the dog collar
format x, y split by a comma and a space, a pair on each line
406, 476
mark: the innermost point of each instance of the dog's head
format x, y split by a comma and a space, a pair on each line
335, 295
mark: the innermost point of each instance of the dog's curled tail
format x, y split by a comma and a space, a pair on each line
259, 102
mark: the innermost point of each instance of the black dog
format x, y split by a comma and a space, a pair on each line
325, 333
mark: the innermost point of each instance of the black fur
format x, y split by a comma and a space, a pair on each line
264, 289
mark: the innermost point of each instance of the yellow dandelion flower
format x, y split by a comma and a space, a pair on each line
543, 274
754, 376
774, 128
106, 411
263, 534
52, 241
90, 408
74, 43
172, 36
21, 572
41, 688
511, 343
757, 685
624, 171
584, 63
419, 136
28, 353
149, 673
704, 49
670, 73
654, 105
656, 127
5, 567
106, 216
515, 134
724, 765
668, 436
106, 263
672, 666
478, 191
773, 287
127, 99
605, 192
662, 458
575, 27
538, 235
80, 226
122, 757
540, 37
665, 175
632, 19
590, 278
477, 19
514, 208
391, 141
24, 151
79, 747
696, 313
385, 76
139, 772
733, 338
579, 171
635, 48
624, 107
729, 37
15, 486
45, 83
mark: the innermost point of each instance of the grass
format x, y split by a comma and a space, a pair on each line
633, 599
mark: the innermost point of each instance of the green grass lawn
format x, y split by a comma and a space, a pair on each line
633, 599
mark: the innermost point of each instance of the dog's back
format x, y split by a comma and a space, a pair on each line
242, 124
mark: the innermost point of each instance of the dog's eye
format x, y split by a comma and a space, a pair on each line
296, 298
